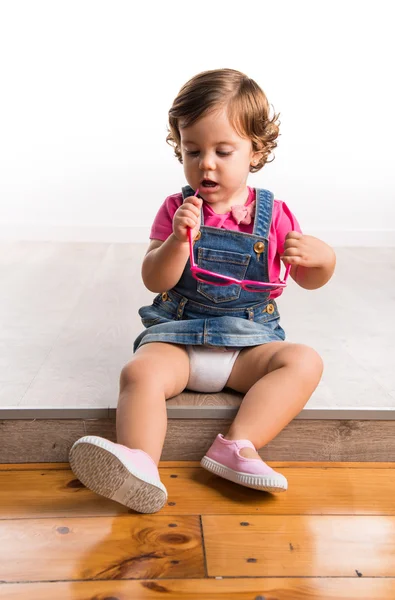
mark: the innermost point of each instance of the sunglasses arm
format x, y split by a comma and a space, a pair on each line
191, 256
287, 271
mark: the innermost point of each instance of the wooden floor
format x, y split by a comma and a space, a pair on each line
331, 536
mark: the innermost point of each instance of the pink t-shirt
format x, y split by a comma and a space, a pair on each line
281, 224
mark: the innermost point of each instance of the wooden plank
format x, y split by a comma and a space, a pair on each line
318, 491
181, 464
53, 493
39, 466
299, 546
189, 439
130, 546
194, 491
329, 464
363, 588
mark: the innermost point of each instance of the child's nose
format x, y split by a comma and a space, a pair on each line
207, 162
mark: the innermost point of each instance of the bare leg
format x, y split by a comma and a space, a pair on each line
278, 379
157, 372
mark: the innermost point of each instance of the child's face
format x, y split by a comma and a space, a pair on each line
212, 151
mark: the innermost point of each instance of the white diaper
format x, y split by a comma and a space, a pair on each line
209, 368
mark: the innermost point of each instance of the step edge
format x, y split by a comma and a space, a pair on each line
194, 412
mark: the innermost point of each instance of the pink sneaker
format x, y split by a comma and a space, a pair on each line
127, 476
225, 460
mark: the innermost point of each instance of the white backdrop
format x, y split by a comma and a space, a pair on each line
86, 86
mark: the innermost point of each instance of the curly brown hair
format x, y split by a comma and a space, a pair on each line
247, 106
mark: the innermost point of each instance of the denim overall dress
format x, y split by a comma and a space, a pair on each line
196, 313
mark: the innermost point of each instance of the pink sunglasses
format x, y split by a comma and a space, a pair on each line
249, 285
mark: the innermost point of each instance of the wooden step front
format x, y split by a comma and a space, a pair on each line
46, 435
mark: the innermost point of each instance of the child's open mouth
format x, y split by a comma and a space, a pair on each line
208, 184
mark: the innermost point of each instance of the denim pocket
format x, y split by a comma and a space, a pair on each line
232, 264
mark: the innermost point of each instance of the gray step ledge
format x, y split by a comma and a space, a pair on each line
195, 412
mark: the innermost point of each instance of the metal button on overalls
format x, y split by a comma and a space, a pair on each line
259, 247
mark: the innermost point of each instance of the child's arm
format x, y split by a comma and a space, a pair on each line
313, 261
165, 261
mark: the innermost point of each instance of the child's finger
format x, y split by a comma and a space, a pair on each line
291, 260
188, 222
191, 209
185, 215
292, 251
194, 200
292, 243
293, 235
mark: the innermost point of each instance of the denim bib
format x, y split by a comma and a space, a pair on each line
202, 314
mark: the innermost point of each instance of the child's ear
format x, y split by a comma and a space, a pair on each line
256, 158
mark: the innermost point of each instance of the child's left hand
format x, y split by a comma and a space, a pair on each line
306, 251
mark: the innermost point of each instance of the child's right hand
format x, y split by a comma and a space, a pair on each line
187, 216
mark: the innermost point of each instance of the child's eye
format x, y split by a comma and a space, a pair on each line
196, 153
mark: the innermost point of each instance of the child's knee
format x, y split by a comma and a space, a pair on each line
135, 371
306, 360
309, 361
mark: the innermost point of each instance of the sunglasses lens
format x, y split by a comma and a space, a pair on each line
205, 278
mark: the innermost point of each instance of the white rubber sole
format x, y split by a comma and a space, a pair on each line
268, 483
98, 466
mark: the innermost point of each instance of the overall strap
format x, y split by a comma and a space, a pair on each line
263, 213
188, 191
263, 210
